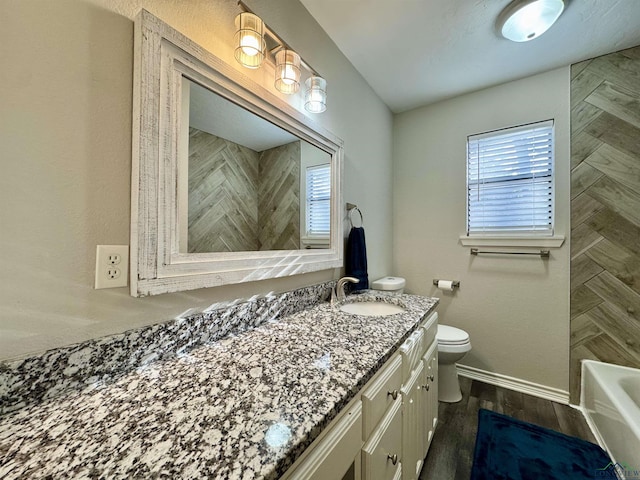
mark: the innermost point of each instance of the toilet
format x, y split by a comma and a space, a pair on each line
389, 284
453, 344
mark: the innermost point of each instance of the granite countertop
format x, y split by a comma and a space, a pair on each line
242, 407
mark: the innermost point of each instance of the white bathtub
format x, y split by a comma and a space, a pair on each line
610, 401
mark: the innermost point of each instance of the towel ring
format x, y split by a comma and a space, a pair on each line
351, 216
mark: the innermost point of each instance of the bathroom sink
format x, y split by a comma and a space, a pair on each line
372, 309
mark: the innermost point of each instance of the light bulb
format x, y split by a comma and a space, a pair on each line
287, 71
316, 94
315, 97
288, 75
250, 45
249, 40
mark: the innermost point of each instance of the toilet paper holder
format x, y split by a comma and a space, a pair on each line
454, 284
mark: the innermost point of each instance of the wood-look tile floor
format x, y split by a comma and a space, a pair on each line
451, 453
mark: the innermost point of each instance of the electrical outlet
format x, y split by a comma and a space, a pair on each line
113, 273
114, 258
112, 266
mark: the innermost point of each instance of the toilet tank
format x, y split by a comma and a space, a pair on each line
389, 284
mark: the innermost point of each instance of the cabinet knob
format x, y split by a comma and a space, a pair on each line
432, 377
631, 310
394, 395
425, 387
393, 458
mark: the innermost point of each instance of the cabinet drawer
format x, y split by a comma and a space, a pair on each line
334, 454
377, 398
382, 454
411, 351
430, 328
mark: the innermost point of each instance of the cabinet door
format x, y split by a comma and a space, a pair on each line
411, 423
380, 394
334, 456
382, 454
429, 398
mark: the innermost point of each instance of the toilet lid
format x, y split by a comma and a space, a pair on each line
451, 335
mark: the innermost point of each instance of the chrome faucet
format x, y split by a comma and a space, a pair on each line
337, 294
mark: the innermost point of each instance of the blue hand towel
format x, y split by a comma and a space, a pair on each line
356, 259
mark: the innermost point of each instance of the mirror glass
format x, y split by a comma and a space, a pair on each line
246, 184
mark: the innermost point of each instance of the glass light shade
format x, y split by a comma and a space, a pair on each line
315, 97
287, 71
524, 20
249, 40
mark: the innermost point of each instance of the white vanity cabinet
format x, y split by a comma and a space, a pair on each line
385, 432
420, 395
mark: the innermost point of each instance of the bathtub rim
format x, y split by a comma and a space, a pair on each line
620, 404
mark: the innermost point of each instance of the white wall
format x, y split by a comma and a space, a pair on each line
515, 309
65, 144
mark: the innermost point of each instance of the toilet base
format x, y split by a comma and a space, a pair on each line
448, 384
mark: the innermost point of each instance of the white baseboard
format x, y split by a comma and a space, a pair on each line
517, 384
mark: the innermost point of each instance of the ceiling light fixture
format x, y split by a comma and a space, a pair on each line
255, 41
315, 97
287, 71
249, 40
524, 20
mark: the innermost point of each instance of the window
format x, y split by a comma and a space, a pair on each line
510, 181
318, 218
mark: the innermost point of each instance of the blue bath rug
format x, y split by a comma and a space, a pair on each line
509, 449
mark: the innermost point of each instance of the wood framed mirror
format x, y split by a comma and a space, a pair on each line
230, 184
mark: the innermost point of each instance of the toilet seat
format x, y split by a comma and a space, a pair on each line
447, 335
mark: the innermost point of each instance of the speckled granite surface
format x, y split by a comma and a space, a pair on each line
242, 407
31, 380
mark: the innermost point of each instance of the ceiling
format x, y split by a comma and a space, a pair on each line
417, 52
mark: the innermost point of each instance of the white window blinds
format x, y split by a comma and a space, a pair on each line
319, 200
510, 181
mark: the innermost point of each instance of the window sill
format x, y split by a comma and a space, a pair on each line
536, 242
315, 242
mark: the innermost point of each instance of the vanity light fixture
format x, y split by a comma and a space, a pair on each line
524, 20
255, 41
249, 40
287, 71
315, 97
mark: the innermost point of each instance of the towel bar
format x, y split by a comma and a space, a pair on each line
350, 208
541, 253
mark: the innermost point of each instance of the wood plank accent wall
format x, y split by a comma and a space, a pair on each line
605, 212
223, 206
242, 200
279, 198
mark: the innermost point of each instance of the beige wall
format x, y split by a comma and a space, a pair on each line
515, 309
65, 144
